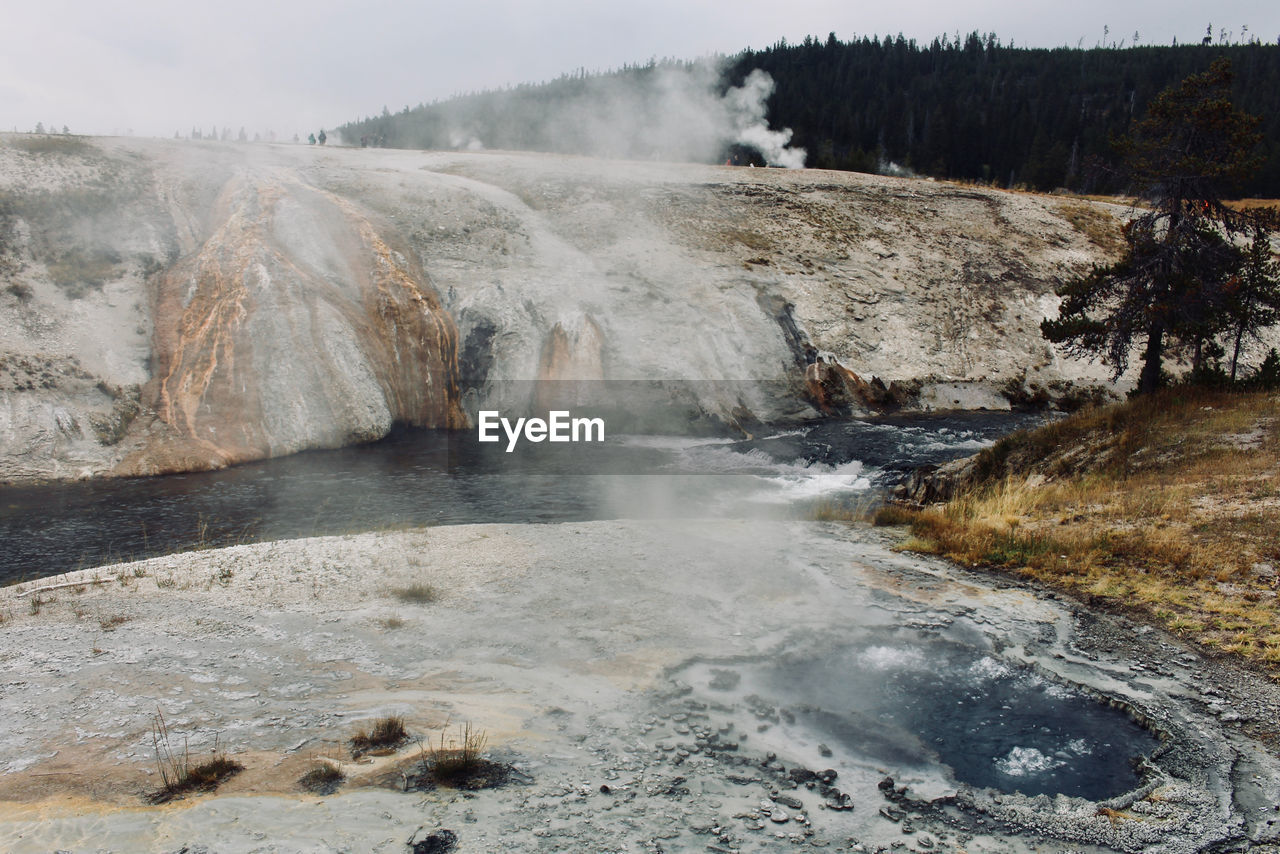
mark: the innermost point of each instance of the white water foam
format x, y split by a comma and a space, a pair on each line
988, 668
669, 443
892, 658
780, 482
1026, 762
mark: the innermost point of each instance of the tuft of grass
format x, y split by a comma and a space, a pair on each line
178, 773
454, 761
324, 779
834, 511
386, 733
418, 593
110, 624
890, 515
391, 622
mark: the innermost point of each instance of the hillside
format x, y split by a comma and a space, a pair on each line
173, 306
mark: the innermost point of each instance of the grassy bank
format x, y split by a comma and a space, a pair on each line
1168, 505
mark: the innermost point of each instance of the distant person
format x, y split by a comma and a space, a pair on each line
311, 139
322, 136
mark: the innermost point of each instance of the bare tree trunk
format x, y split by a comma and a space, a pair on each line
1235, 355
1149, 380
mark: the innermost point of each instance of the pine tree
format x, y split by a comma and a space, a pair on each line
1192, 146
1253, 294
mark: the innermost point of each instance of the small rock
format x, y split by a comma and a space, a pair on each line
777, 816
802, 775
788, 801
894, 815
824, 751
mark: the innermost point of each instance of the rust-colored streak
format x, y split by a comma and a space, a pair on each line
569, 366
244, 369
416, 337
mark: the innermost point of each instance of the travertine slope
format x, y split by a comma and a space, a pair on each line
169, 306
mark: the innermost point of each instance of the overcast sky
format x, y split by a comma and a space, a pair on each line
156, 66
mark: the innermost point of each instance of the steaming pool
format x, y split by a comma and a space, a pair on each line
908, 699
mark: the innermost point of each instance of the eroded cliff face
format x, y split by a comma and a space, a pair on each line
170, 306
295, 325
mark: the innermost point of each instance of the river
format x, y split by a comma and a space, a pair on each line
422, 477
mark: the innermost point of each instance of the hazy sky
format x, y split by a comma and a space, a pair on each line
156, 66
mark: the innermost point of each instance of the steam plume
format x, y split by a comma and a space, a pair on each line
664, 112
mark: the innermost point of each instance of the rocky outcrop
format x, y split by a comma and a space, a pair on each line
935, 484
296, 325
260, 300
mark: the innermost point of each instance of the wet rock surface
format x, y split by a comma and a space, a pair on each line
615, 714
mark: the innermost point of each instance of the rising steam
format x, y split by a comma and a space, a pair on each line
662, 112
745, 107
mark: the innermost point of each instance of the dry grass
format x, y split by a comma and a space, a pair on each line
455, 761
50, 144
827, 510
113, 622
1097, 226
391, 622
416, 594
324, 779
1167, 506
1253, 204
387, 733
179, 774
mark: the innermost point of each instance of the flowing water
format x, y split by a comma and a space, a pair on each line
432, 478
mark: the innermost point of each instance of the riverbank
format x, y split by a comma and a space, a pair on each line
1164, 507
618, 668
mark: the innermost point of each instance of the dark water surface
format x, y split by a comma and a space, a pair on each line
418, 478
996, 724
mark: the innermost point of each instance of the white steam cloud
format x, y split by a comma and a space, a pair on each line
667, 112
746, 110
